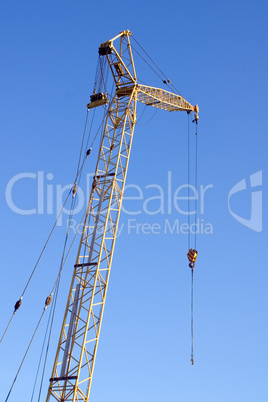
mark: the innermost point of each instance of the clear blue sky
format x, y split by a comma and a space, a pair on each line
215, 53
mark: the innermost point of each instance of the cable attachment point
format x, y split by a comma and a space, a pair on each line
196, 111
192, 360
17, 305
48, 301
74, 189
166, 82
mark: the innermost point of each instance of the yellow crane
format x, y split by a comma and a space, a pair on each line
77, 347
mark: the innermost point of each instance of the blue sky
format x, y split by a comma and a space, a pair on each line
215, 54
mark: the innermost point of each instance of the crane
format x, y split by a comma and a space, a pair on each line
72, 372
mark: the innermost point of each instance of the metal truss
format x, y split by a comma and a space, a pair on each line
76, 353
159, 98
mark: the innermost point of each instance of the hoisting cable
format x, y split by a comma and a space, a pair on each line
101, 76
192, 317
82, 145
165, 81
101, 125
29, 280
49, 298
78, 175
97, 76
16, 376
18, 303
11, 318
40, 359
63, 261
192, 253
73, 190
56, 285
189, 156
51, 319
47, 302
59, 274
51, 316
90, 128
146, 60
196, 163
103, 69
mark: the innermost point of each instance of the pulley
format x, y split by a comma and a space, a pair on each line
17, 305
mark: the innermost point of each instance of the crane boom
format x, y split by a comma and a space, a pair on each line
76, 353
159, 98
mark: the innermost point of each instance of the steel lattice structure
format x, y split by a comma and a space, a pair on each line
76, 353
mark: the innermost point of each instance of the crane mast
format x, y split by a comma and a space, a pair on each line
76, 352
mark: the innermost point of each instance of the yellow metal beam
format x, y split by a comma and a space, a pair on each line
158, 98
76, 353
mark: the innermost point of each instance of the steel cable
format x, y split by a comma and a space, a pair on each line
16, 376
166, 81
